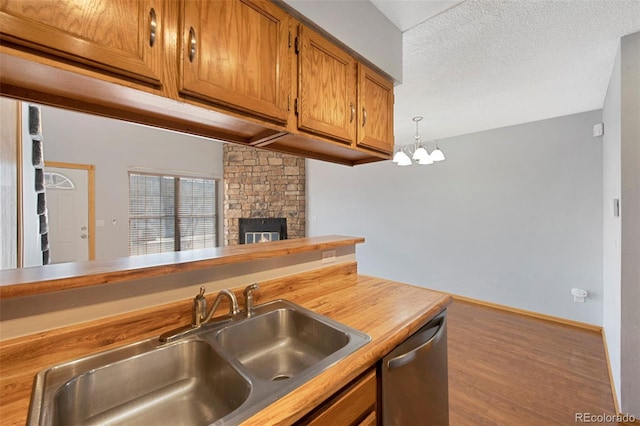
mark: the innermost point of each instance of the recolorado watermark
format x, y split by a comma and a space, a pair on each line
604, 418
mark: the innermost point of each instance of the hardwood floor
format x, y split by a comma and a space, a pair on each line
511, 369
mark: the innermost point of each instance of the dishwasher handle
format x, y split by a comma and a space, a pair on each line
400, 360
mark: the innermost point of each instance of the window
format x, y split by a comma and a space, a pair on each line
55, 180
171, 213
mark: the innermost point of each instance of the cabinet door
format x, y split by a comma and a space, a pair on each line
354, 405
375, 108
370, 420
122, 37
234, 53
327, 88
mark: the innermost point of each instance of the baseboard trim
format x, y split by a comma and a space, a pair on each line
616, 405
533, 314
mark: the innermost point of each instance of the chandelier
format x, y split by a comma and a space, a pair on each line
416, 152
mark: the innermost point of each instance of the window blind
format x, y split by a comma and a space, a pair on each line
171, 213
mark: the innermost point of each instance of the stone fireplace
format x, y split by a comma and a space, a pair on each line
261, 184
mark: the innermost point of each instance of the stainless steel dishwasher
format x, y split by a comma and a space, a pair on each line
415, 384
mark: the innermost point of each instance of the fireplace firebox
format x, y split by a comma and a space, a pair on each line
262, 230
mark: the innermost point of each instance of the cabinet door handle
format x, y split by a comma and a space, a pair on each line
364, 116
192, 44
353, 112
153, 27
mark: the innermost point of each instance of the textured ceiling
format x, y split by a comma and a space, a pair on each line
488, 64
406, 14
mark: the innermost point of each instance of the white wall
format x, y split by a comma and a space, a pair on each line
630, 214
611, 320
115, 148
513, 216
621, 236
359, 25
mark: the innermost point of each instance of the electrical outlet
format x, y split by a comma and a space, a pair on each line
328, 256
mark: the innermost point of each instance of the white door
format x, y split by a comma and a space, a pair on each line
68, 208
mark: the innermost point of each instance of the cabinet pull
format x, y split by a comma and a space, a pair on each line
153, 27
192, 44
353, 112
364, 116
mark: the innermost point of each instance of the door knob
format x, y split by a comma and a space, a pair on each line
84, 228
83, 236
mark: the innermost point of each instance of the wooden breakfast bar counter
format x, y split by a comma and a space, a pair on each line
387, 311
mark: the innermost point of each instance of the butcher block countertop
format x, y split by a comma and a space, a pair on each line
65, 276
387, 311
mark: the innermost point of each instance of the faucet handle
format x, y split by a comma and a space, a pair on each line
250, 289
199, 310
248, 298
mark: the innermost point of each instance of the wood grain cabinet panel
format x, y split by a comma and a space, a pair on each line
375, 106
243, 71
326, 88
234, 53
122, 37
354, 405
370, 420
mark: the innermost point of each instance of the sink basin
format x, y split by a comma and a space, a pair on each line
187, 383
282, 343
219, 374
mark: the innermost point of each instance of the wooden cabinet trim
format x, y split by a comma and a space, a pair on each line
144, 85
371, 133
370, 420
193, 83
343, 126
349, 406
141, 65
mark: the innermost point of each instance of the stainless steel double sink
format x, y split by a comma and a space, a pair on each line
221, 375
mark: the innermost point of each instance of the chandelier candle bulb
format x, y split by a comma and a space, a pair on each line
437, 154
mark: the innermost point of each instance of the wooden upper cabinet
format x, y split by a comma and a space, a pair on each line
234, 53
326, 102
375, 106
243, 71
122, 37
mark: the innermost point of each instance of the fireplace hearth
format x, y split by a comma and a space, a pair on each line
262, 230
